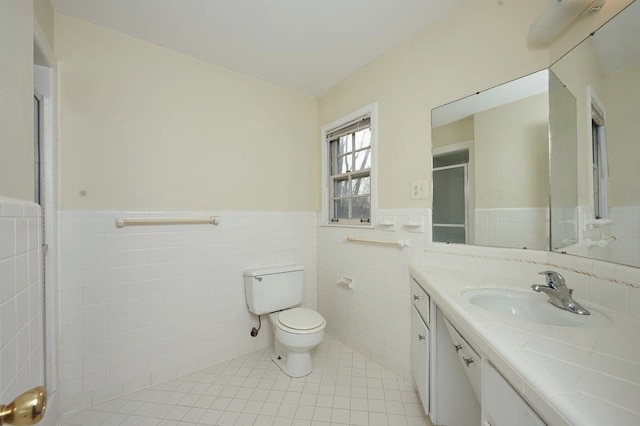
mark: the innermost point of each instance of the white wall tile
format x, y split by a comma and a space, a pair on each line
160, 299
21, 333
375, 318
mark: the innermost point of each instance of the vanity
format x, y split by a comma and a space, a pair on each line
537, 174
528, 370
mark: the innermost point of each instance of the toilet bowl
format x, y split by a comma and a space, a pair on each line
297, 331
276, 291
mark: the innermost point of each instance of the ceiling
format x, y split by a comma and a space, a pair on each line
304, 45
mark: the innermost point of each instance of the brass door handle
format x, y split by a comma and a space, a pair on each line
27, 409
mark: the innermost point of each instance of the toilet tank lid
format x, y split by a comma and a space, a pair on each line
268, 270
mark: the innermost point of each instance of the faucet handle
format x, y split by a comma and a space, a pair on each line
554, 279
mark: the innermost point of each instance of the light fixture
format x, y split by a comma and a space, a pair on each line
558, 15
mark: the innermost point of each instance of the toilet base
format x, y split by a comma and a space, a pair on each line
294, 364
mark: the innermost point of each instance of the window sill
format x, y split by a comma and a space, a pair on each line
353, 225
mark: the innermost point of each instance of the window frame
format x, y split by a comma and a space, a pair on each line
597, 155
328, 179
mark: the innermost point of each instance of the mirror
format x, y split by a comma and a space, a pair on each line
491, 165
603, 73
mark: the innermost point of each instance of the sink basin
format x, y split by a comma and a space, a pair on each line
531, 307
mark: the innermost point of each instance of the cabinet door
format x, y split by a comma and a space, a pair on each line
420, 357
502, 405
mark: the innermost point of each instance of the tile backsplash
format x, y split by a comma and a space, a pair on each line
21, 301
143, 304
375, 318
514, 227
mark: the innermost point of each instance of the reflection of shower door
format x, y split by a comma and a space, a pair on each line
450, 204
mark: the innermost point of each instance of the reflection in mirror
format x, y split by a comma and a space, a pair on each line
563, 162
491, 166
603, 73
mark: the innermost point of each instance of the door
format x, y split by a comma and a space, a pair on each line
450, 204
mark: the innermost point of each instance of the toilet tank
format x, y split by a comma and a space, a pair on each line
273, 288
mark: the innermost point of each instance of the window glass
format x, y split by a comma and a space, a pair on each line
341, 188
362, 160
361, 185
363, 139
361, 207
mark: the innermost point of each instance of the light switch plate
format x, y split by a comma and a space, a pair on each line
418, 189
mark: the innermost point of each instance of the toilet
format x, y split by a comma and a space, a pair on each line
278, 291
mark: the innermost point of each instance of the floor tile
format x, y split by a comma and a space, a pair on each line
345, 388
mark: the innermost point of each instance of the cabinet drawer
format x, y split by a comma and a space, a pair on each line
467, 356
503, 406
420, 300
420, 357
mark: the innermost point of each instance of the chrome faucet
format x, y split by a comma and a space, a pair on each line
559, 294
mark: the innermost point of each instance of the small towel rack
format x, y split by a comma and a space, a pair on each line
602, 242
212, 220
399, 243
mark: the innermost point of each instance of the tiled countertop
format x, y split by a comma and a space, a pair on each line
570, 376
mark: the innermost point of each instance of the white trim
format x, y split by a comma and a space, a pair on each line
372, 111
594, 102
45, 83
459, 146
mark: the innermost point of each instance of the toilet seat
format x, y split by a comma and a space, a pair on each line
300, 321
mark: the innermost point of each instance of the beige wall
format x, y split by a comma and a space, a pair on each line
621, 96
16, 99
481, 44
143, 128
44, 15
582, 27
577, 70
458, 131
512, 154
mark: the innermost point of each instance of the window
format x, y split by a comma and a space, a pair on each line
349, 160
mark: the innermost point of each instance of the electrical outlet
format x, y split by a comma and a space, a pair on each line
419, 190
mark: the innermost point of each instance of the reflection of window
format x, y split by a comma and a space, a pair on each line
349, 162
37, 148
599, 155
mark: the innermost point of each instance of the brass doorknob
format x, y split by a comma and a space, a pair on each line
27, 409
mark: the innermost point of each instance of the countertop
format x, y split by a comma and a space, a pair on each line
569, 376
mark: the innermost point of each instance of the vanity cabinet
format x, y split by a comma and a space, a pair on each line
420, 338
445, 392
501, 404
457, 384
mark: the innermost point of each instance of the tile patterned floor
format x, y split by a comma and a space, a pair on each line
344, 389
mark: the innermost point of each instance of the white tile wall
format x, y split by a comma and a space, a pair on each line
143, 304
514, 228
624, 224
608, 284
375, 318
21, 322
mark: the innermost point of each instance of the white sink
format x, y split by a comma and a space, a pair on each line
533, 307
